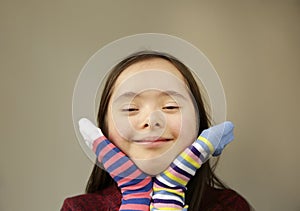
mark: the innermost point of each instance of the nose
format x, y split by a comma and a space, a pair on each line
154, 120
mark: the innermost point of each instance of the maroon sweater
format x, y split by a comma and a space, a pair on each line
109, 199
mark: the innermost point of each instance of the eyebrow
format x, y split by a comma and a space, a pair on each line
126, 95
173, 93
134, 94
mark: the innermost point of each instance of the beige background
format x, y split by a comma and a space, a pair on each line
254, 46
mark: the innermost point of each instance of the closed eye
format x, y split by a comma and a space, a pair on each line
171, 107
130, 109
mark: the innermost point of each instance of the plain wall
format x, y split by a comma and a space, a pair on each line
254, 46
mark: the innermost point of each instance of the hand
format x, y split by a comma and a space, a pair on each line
169, 187
219, 136
135, 185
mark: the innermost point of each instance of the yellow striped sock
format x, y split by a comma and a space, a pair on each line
207, 142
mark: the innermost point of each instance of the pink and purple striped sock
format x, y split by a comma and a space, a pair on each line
136, 186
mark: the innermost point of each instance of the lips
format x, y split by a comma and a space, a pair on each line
152, 140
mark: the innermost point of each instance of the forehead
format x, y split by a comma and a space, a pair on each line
157, 64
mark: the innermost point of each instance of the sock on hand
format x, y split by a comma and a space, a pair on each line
135, 185
170, 186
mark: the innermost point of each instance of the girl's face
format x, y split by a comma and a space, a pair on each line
151, 115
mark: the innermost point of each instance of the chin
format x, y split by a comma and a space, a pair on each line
148, 154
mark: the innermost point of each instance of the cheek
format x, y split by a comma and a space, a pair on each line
189, 127
117, 138
185, 126
113, 134
121, 127
117, 133
174, 125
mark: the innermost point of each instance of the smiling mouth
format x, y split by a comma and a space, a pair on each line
153, 141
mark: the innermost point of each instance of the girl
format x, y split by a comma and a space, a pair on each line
204, 191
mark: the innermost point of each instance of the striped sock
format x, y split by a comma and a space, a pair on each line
170, 186
135, 186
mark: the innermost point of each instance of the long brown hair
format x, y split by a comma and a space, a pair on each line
204, 176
